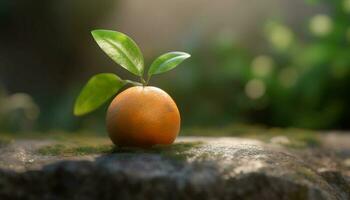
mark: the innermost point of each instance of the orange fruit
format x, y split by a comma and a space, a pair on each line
142, 117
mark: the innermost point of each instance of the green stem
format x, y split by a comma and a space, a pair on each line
148, 78
144, 83
133, 83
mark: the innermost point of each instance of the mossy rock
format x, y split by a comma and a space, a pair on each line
88, 166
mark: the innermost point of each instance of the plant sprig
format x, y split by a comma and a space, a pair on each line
125, 52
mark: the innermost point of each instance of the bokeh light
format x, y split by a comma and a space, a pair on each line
280, 36
262, 66
321, 25
346, 6
281, 51
255, 89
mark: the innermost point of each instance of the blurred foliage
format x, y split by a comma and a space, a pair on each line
300, 79
18, 112
44, 45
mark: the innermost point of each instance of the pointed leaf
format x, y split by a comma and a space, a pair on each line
122, 49
167, 62
97, 91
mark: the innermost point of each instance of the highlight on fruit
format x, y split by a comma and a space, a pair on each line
142, 115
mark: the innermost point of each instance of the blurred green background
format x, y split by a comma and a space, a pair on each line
275, 62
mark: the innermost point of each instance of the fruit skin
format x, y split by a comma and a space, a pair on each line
143, 116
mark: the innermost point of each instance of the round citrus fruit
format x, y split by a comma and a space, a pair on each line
142, 117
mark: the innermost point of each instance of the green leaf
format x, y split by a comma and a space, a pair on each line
167, 62
97, 91
122, 49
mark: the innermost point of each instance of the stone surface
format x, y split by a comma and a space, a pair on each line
193, 168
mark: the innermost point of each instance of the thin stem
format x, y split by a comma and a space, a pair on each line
143, 81
148, 78
133, 83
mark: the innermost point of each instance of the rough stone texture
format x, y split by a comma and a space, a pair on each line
215, 168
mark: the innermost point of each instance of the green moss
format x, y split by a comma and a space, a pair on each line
310, 140
68, 150
84, 150
178, 150
52, 150
75, 144
307, 174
